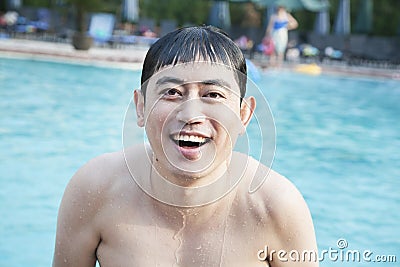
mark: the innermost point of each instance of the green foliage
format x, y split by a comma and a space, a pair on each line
3, 6
236, 11
386, 13
242, 14
87, 5
386, 17
183, 12
305, 18
38, 3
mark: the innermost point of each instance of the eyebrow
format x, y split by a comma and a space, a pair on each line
217, 82
168, 79
174, 80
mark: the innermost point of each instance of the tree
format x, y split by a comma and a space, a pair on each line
184, 12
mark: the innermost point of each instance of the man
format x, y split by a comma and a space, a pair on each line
184, 200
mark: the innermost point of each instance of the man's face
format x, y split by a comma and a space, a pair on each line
192, 117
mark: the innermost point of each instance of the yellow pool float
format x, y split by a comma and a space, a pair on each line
312, 69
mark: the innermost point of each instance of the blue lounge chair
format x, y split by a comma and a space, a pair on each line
101, 27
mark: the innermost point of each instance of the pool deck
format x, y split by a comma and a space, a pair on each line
131, 57
128, 57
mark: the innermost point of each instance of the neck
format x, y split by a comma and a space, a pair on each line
203, 193
190, 191
199, 216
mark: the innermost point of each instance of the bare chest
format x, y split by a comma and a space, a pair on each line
151, 244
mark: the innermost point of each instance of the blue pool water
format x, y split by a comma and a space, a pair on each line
338, 140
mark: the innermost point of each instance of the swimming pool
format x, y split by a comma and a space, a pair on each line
338, 140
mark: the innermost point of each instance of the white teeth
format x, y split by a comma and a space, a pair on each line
191, 138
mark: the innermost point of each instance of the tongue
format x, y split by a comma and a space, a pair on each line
190, 152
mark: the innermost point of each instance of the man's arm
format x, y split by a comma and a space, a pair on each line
77, 236
293, 228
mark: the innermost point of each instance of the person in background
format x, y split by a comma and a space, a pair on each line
279, 25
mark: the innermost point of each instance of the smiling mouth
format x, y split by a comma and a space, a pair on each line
190, 141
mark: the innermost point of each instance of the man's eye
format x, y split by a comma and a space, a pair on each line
214, 95
173, 92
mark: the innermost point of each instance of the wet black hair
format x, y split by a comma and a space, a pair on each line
193, 43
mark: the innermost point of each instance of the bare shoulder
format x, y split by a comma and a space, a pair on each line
98, 173
105, 171
78, 230
283, 199
289, 224
84, 211
91, 184
276, 192
99, 180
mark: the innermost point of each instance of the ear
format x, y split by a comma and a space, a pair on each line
139, 104
246, 110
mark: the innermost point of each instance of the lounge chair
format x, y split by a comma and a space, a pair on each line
101, 27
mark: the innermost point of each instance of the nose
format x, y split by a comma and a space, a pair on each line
190, 112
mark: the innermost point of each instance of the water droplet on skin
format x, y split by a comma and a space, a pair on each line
65, 260
89, 204
178, 237
89, 192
